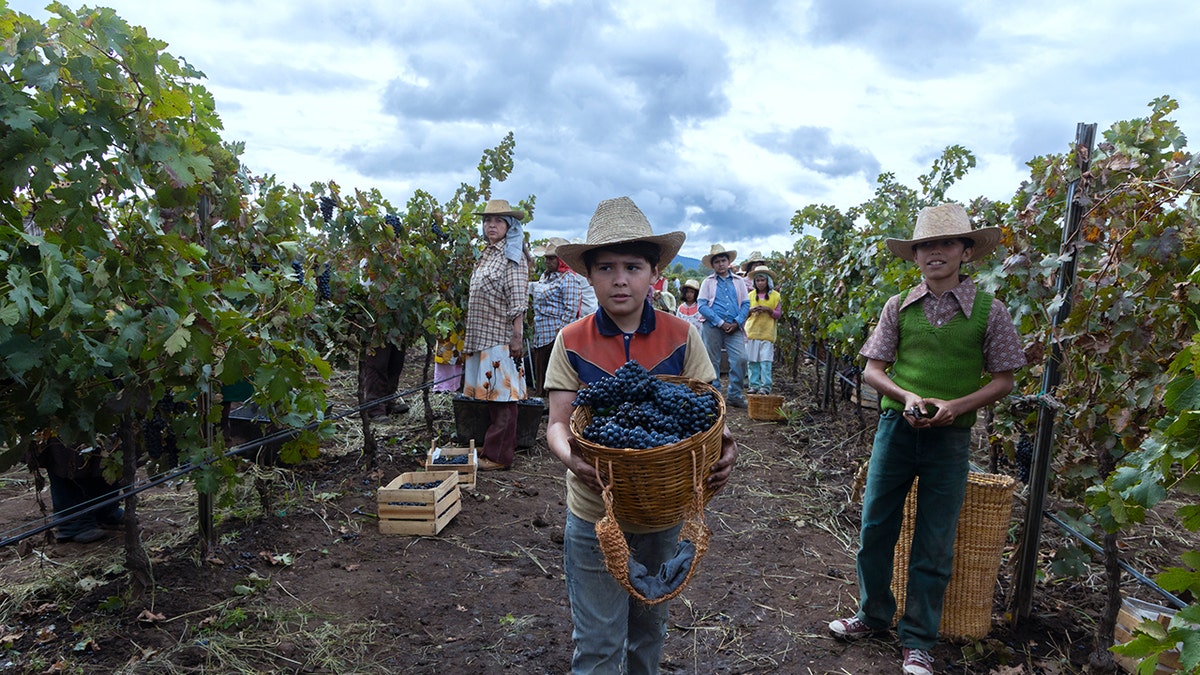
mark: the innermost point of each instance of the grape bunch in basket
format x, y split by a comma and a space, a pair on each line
634, 409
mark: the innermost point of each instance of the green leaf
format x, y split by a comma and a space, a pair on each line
178, 340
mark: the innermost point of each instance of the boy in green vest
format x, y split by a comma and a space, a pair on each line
927, 358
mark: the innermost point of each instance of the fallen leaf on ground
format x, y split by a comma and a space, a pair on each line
150, 617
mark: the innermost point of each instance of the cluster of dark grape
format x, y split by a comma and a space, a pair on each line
634, 409
327, 205
394, 221
1024, 457
450, 459
427, 485
323, 291
299, 270
157, 433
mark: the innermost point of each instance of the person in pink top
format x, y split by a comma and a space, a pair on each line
688, 308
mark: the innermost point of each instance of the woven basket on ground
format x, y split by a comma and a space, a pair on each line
764, 407
653, 488
982, 530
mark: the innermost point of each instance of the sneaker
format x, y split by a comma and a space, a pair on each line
737, 402
850, 629
918, 662
397, 407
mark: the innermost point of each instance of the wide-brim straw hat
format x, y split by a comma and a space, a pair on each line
718, 249
620, 221
753, 260
550, 247
946, 221
762, 269
500, 207
693, 284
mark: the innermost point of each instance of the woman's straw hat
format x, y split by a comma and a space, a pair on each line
946, 221
718, 249
620, 221
753, 261
550, 247
762, 269
693, 284
500, 207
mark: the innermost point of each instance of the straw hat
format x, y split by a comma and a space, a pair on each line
752, 261
550, 247
718, 249
762, 269
620, 221
693, 284
946, 221
500, 207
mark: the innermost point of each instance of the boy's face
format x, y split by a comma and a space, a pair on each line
720, 263
622, 282
940, 259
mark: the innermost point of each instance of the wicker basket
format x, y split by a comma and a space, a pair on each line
764, 407
982, 530
655, 487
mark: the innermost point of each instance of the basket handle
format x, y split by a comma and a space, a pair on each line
616, 549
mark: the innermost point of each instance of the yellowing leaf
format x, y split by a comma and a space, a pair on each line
178, 340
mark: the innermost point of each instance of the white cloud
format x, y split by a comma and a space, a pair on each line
719, 118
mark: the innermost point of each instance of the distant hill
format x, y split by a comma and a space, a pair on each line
688, 263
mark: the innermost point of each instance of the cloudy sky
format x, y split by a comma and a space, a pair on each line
718, 118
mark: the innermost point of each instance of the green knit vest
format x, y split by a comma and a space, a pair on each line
943, 362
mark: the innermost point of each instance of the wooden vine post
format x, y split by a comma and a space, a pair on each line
204, 500
1085, 136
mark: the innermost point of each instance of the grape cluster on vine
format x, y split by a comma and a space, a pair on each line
323, 290
157, 434
394, 221
299, 270
1024, 457
634, 409
327, 205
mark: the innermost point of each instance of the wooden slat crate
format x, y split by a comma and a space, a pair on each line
466, 472
421, 511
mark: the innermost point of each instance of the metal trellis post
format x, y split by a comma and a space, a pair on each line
1085, 135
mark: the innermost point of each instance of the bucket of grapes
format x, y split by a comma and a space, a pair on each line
652, 439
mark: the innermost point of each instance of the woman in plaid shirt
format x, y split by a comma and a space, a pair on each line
495, 343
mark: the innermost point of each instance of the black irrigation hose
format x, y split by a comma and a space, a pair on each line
1146, 581
118, 495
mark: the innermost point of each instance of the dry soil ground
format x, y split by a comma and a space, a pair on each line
303, 581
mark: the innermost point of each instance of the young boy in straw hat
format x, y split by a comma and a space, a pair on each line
725, 304
621, 258
927, 358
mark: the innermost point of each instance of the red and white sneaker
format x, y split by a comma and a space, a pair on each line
918, 662
850, 629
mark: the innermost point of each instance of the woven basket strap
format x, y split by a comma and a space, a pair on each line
616, 550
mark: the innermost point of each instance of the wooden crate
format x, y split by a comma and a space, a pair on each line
466, 472
1132, 613
423, 511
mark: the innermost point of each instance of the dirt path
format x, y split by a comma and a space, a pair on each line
310, 585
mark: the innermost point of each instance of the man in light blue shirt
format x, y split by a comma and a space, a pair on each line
725, 304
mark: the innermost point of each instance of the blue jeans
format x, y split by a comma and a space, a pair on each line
613, 632
901, 453
735, 348
760, 376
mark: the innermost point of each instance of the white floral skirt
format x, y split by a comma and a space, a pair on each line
493, 375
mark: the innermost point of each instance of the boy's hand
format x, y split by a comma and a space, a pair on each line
580, 467
945, 412
720, 472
